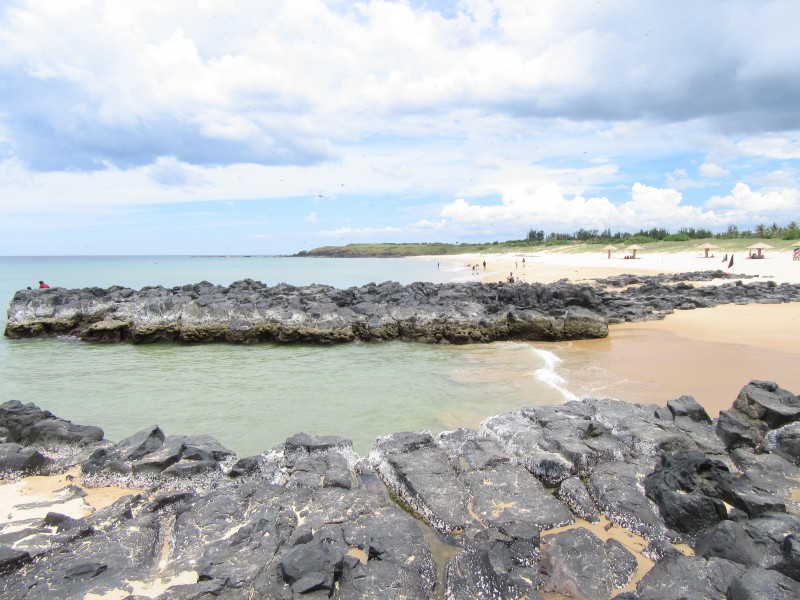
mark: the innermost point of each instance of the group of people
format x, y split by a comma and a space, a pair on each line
42, 285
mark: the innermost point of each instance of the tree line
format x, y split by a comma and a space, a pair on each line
659, 234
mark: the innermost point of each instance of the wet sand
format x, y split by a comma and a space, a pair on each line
708, 353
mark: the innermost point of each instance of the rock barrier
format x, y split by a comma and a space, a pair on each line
249, 311
515, 501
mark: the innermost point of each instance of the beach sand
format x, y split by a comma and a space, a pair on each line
709, 353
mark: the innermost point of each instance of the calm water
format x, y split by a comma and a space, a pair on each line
253, 397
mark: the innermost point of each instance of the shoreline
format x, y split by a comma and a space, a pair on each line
700, 352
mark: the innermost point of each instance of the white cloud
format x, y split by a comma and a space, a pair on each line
547, 208
711, 170
782, 148
749, 205
312, 217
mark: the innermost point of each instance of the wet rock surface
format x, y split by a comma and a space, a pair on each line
248, 311
512, 503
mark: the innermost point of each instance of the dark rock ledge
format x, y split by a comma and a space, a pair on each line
249, 311
310, 518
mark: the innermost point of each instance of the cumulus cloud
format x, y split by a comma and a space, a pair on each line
283, 82
529, 112
547, 208
746, 204
712, 170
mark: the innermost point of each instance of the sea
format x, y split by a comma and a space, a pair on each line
252, 397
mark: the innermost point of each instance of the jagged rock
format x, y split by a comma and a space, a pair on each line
737, 430
785, 441
14, 457
688, 407
496, 563
616, 491
28, 425
766, 401
141, 443
421, 475
688, 488
760, 584
12, 559
577, 563
768, 542
313, 565
248, 465
507, 493
574, 494
244, 535
681, 576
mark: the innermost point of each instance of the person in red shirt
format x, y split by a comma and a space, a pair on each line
43, 285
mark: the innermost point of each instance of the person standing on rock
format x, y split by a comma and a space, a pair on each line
43, 285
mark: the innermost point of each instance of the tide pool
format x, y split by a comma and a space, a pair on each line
253, 397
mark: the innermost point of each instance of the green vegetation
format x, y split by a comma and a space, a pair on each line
658, 239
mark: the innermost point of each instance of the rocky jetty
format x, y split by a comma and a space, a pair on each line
592, 499
249, 311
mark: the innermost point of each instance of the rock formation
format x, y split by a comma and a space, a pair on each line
248, 311
507, 511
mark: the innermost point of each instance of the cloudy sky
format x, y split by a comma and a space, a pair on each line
273, 126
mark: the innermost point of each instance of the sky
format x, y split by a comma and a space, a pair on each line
275, 126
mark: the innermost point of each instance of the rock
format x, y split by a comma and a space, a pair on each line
688, 487
766, 401
141, 443
310, 518
313, 565
681, 576
616, 491
496, 563
760, 584
507, 493
28, 425
785, 442
14, 457
687, 407
766, 542
12, 559
737, 430
574, 494
578, 564
420, 474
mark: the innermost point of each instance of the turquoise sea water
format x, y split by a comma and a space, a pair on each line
253, 397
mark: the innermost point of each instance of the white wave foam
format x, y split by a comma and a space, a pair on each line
548, 374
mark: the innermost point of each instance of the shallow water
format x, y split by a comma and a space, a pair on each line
253, 397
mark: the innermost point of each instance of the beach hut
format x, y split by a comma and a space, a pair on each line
634, 248
609, 249
707, 247
759, 247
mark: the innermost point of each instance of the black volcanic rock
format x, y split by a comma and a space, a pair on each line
248, 311
310, 518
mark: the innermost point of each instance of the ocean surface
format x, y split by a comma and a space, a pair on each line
253, 397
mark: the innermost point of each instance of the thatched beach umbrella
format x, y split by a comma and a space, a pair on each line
707, 247
759, 247
795, 245
634, 248
609, 249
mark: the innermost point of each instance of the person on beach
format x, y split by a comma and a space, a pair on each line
484, 264
510, 278
43, 285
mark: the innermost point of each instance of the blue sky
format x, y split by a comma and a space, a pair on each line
270, 126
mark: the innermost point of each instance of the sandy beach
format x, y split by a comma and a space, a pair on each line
707, 353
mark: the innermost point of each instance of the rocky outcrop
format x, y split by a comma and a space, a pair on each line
248, 311
502, 512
